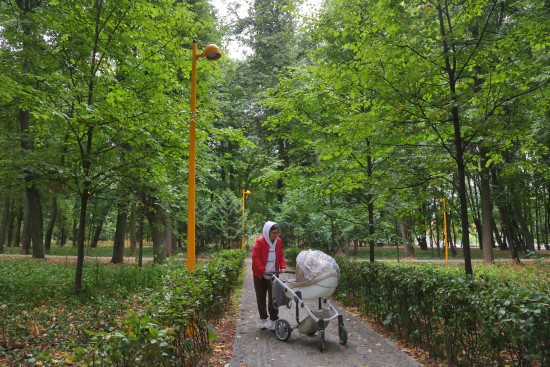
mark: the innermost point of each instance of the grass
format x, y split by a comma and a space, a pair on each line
102, 250
41, 319
105, 249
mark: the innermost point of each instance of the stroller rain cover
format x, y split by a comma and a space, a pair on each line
313, 266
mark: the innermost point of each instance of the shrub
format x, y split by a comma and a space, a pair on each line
467, 321
290, 255
173, 328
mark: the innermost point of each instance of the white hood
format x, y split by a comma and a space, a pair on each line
265, 232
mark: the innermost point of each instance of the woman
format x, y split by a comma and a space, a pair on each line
267, 256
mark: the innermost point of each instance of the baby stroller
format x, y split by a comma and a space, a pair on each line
316, 277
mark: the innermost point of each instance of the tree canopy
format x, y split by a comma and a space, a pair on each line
349, 124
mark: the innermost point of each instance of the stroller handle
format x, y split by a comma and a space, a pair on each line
271, 273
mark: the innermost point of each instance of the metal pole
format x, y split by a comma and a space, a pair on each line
192, 165
242, 235
245, 192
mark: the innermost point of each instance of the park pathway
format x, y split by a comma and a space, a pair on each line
260, 348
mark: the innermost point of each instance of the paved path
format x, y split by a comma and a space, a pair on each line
261, 348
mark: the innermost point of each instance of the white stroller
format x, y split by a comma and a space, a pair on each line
317, 276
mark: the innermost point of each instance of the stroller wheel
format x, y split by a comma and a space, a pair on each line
282, 330
343, 335
321, 340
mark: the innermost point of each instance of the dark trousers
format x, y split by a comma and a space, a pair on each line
263, 289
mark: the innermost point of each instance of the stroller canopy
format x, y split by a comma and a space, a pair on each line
313, 266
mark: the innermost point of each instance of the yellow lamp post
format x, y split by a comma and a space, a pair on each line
211, 52
245, 192
445, 230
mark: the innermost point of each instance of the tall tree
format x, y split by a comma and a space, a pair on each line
270, 30
26, 46
403, 73
113, 76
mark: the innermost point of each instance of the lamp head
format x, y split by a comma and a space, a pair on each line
212, 52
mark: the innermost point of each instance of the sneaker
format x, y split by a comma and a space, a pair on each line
264, 324
273, 322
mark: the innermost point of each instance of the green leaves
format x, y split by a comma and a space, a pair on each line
413, 90
49, 321
504, 311
171, 326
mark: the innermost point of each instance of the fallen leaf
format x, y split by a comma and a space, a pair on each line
33, 329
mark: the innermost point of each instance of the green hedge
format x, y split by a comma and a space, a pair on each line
463, 320
172, 328
291, 253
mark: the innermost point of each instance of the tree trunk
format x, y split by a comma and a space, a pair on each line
133, 225
496, 234
423, 238
80, 241
452, 236
37, 233
507, 227
168, 235
18, 224
529, 242
120, 235
284, 159
458, 141
157, 234
475, 205
154, 213
33, 228
62, 230
546, 225
140, 237
370, 204
438, 232
26, 237
4, 221
537, 232
408, 250
84, 198
462, 195
51, 225
75, 233
504, 210
97, 232
486, 216
422, 242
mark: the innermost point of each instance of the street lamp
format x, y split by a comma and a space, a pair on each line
245, 192
211, 52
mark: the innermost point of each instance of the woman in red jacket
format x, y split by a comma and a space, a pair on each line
267, 256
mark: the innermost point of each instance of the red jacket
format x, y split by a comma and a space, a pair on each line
260, 252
